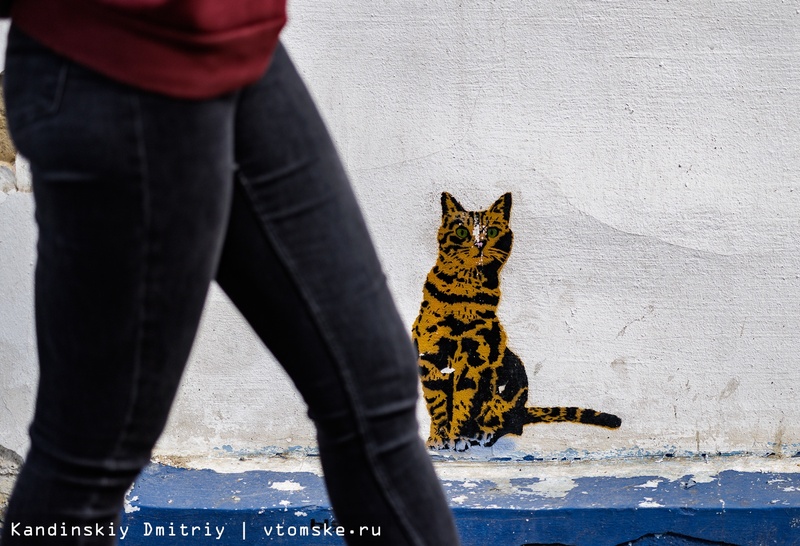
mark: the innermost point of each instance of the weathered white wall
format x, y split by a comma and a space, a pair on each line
652, 150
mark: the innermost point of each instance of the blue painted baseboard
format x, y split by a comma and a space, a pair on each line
179, 506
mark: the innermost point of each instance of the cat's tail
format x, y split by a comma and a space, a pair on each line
572, 415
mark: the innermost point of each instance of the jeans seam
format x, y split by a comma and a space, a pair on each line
61, 86
338, 358
142, 318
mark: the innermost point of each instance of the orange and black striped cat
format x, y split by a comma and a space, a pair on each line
475, 388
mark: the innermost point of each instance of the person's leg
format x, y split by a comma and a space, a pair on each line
299, 264
132, 195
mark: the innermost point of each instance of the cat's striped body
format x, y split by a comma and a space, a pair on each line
475, 388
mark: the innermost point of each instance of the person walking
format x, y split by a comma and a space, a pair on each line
172, 143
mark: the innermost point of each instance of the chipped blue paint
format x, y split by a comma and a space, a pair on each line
506, 450
741, 508
269, 451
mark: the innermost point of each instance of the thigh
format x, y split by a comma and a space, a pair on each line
296, 187
300, 265
132, 194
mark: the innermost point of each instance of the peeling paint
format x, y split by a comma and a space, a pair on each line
738, 508
652, 484
649, 503
129, 501
287, 485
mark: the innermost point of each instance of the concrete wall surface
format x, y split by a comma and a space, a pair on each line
651, 148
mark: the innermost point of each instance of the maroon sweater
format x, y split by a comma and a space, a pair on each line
192, 49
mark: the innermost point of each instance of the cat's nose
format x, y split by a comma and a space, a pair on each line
480, 244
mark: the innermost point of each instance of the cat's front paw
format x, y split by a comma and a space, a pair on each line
437, 443
485, 438
456, 444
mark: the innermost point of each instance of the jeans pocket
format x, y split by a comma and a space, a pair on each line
34, 81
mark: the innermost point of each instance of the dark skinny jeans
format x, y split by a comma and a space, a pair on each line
141, 201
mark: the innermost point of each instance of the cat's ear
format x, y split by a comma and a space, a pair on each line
449, 204
502, 206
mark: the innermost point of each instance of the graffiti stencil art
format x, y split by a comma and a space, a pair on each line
475, 387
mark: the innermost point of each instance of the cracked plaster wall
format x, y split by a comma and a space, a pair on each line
651, 148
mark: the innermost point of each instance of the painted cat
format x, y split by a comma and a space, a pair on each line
475, 387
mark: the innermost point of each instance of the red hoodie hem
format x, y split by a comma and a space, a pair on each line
175, 60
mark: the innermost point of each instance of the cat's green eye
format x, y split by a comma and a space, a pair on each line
492, 232
462, 232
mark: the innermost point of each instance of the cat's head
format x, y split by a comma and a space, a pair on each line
474, 239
